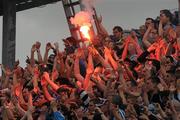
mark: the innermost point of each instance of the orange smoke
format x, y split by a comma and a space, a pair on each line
85, 31
83, 19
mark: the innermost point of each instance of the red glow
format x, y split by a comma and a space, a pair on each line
85, 31
83, 19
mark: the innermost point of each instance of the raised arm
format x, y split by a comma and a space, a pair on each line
51, 83
102, 29
30, 107
145, 37
61, 64
101, 87
45, 90
33, 49
15, 80
97, 56
6, 77
35, 79
69, 68
38, 45
55, 73
20, 110
110, 58
89, 71
121, 87
77, 74
48, 47
160, 29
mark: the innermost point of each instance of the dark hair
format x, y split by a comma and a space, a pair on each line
63, 89
72, 40
153, 21
168, 14
142, 57
97, 116
171, 58
43, 68
175, 18
28, 85
70, 49
118, 28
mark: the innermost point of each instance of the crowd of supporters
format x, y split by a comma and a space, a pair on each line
133, 76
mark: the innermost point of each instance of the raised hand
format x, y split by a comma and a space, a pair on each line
56, 45
53, 105
89, 71
45, 75
38, 45
33, 49
150, 27
158, 107
113, 107
48, 46
98, 110
133, 34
